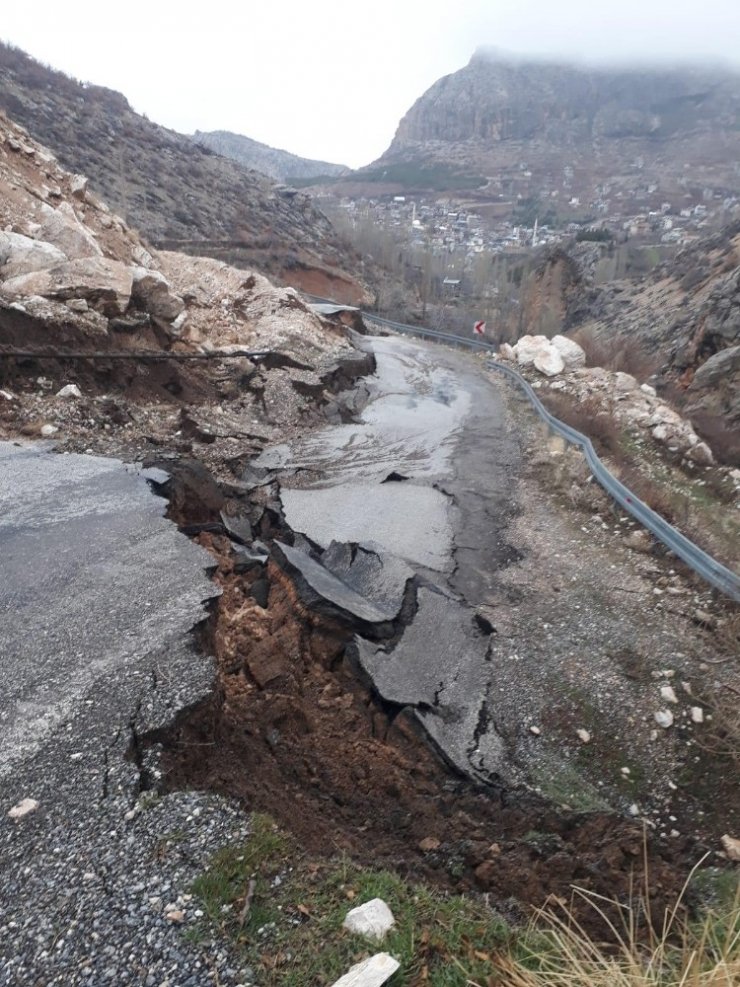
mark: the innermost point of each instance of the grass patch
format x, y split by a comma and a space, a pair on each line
564, 784
293, 932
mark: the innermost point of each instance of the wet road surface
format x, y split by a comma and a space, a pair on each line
427, 474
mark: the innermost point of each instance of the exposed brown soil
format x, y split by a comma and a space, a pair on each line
293, 732
324, 284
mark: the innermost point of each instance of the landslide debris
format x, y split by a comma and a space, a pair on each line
178, 192
75, 279
291, 728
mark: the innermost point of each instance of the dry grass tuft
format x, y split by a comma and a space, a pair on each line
590, 418
558, 952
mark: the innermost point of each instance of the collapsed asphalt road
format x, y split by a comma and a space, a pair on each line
423, 479
98, 598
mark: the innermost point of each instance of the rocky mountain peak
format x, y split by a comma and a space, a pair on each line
500, 98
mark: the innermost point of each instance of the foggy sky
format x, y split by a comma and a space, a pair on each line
330, 79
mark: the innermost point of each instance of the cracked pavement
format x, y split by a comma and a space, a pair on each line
426, 474
99, 598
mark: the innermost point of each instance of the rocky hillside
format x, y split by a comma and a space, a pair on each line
76, 280
686, 315
561, 132
271, 161
678, 326
179, 194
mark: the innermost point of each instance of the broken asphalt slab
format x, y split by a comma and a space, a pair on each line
417, 492
325, 593
440, 668
94, 577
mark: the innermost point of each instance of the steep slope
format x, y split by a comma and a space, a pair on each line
271, 161
619, 138
180, 195
74, 278
683, 320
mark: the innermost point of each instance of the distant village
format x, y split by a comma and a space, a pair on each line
451, 226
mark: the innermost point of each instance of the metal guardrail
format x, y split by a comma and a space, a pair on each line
718, 575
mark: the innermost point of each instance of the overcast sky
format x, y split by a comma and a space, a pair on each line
331, 79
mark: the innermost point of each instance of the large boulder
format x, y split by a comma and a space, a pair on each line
715, 389
624, 383
62, 228
574, 356
104, 284
548, 361
21, 254
153, 292
527, 348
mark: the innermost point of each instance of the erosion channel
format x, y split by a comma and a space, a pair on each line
360, 695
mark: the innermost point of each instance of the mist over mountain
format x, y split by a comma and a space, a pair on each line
612, 139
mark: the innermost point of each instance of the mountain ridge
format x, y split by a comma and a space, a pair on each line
614, 140
274, 162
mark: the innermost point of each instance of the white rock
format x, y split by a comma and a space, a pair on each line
7, 396
731, 847
22, 255
47, 430
697, 714
526, 348
142, 256
574, 356
62, 228
23, 808
104, 283
78, 186
548, 361
584, 736
535, 730
634, 809
154, 293
178, 324
668, 693
69, 391
373, 919
649, 390
664, 718
506, 352
372, 972
624, 383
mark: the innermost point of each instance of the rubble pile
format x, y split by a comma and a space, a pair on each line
74, 278
632, 405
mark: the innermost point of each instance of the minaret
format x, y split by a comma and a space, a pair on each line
534, 231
